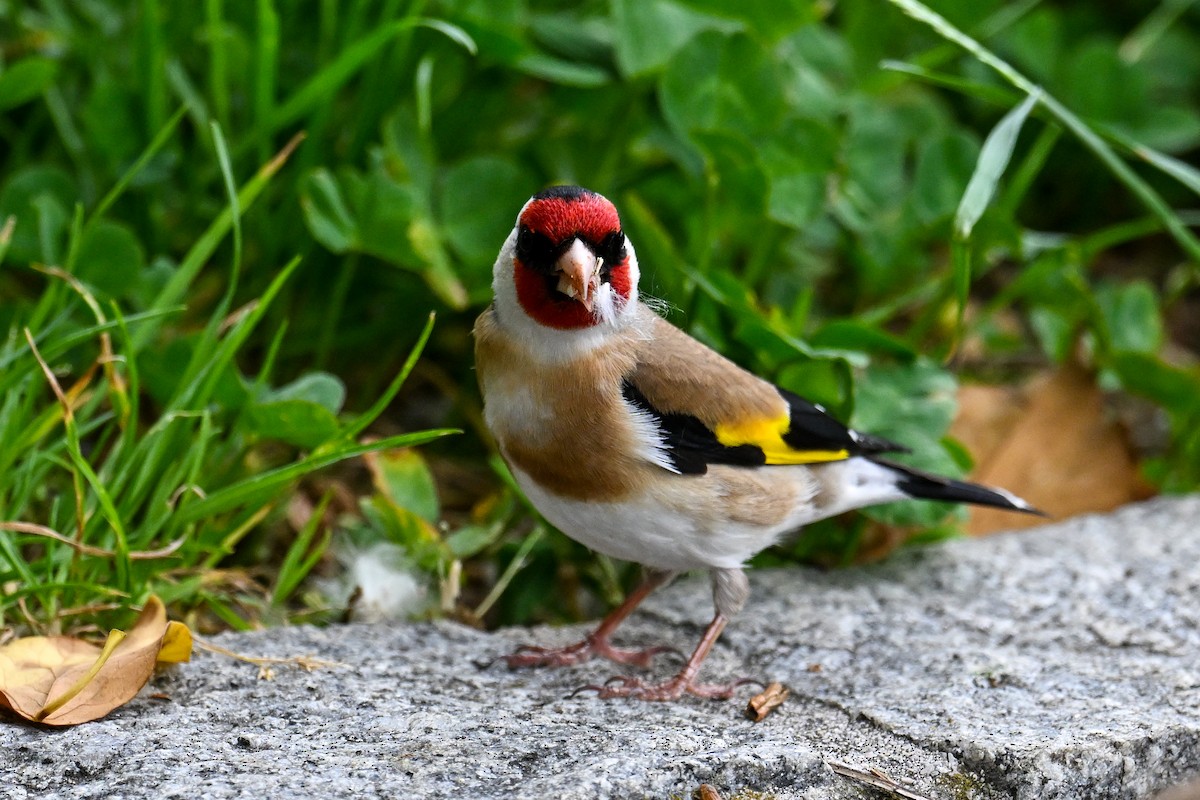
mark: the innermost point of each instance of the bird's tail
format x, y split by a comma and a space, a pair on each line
927, 486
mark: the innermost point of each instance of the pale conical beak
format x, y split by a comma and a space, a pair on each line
580, 273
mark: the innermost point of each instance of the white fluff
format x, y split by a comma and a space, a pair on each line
378, 584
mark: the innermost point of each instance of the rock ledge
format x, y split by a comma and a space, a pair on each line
1057, 663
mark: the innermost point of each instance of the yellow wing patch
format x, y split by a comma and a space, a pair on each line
767, 435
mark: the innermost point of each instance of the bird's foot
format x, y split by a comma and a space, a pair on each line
591, 647
673, 689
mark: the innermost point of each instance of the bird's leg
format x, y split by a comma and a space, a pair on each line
597, 643
730, 590
683, 683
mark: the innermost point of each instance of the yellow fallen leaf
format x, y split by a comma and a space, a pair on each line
176, 644
57, 680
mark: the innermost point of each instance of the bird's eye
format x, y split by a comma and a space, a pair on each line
612, 250
534, 250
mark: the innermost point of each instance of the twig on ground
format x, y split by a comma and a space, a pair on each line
876, 778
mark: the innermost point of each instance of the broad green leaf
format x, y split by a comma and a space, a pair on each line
993, 161
27, 195
105, 116
826, 381
1173, 388
740, 177
383, 209
1131, 317
722, 83
796, 199
646, 33
25, 80
906, 402
325, 212
912, 405
1175, 129
471, 539
438, 272
415, 534
375, 214
404, 480
297, 422
943, 169
1055, 331
479, 202
1038, 41
110, 258
1098, 84
817, 70
772, 18
797, 160
321, 388
875, 151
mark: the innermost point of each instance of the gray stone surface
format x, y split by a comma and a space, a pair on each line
1056, 663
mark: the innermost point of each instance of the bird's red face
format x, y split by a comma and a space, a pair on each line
570, 255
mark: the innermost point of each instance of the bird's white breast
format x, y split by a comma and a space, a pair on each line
683, 522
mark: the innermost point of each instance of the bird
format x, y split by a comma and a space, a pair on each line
644, 444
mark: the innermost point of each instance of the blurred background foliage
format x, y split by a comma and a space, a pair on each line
227, 307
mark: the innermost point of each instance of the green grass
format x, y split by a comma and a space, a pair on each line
224, 227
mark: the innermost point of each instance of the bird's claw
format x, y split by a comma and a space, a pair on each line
591, 687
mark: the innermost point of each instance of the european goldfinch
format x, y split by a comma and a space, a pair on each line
641, 443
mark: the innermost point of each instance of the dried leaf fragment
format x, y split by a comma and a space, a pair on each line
1055, 443
58, 680
874, 777
766, 701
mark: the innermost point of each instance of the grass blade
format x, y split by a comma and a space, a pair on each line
317, 90
232, 496
266, 64
993, 161
161, 138
1090, 139
235, 209
218, 72
175, 288
296, 565
353, 429
1181, 171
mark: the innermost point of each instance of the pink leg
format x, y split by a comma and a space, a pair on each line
597, 642
684, 682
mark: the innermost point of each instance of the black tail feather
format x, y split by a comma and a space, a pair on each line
927, 486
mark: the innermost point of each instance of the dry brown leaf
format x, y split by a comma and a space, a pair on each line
1053, 442
58, 680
